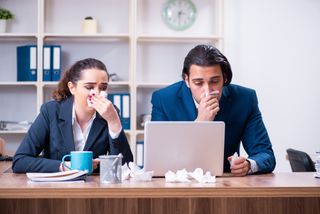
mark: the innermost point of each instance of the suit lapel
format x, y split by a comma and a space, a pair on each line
98, 125
65, 123
187, 101
224, 105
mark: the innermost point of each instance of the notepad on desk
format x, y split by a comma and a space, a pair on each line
72, 175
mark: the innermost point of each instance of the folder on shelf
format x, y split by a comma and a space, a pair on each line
139, 153
55, 62
27, 63
125, 116
122, 102
46, 72
116, 100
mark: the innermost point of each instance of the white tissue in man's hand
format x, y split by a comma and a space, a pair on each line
234, 157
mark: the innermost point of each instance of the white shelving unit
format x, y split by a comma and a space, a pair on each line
132, 41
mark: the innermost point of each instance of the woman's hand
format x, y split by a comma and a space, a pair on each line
95, 163
63, 168
106, 109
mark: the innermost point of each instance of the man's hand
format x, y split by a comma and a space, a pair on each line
208, 106
239, 166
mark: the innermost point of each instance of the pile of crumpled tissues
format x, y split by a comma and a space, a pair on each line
184, 176
133, 172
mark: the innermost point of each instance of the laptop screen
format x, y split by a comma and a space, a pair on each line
184, 145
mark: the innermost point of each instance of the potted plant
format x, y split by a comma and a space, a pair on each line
4, 16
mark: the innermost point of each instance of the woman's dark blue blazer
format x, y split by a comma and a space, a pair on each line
51, 135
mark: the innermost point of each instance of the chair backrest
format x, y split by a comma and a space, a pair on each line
300, 161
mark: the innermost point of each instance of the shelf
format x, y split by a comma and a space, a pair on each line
127, 132
13, 132
49, 84
3, 83
152, 85
159, 38
139, 132
86, 37
14, 36
119, 83
111, 83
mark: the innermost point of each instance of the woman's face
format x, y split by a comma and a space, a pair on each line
90, 79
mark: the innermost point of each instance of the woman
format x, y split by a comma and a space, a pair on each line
75, 120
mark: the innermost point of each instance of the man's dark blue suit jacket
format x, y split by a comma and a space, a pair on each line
238, 109
52, 134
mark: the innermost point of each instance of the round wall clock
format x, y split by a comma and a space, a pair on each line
179, 14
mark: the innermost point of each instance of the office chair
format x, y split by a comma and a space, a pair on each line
300, 161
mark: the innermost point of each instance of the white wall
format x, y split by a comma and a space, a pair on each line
273, 47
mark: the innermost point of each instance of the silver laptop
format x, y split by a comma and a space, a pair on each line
178, 145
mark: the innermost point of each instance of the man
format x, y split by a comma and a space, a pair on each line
205, 94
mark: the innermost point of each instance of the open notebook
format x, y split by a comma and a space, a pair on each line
72, 175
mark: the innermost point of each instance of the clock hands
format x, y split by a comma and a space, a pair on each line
180, 13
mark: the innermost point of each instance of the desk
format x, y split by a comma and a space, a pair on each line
270, 193
4, 166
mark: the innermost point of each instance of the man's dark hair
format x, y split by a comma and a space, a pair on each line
207, 55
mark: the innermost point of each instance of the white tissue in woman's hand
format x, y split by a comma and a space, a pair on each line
104, 94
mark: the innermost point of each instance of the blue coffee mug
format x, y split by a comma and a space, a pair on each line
81, 160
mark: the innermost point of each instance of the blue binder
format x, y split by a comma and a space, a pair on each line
140, 154
46, 62
125, 116
116, 100
27, 63
55, 62
122, 101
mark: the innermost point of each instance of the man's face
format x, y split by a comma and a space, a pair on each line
204, 79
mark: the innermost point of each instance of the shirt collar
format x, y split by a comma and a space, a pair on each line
74, 115
195, 102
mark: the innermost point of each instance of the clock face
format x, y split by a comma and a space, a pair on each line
179, 14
